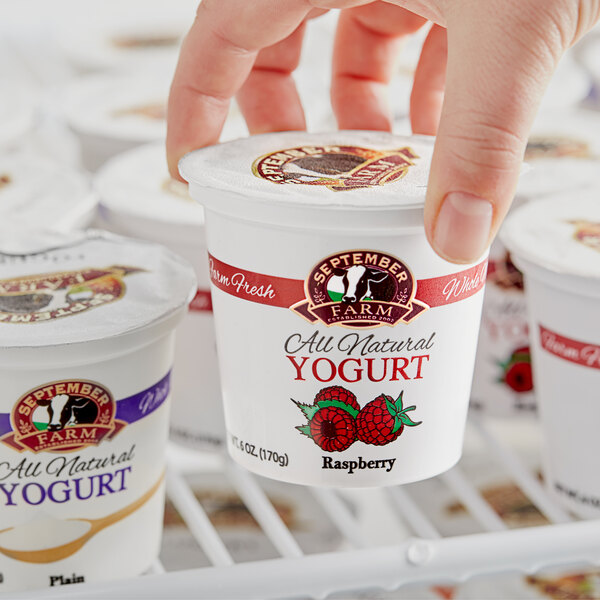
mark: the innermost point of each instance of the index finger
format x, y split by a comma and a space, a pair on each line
215, 60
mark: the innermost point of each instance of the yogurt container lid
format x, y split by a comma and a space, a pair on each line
96, 36
58, 289
338, 170
37, 192
130, 108
563, 151
16, 111
560, 234
137, 184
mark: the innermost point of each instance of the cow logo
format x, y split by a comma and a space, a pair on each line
338, 168
360, 288
63, 416
587, 233
556, 147
155, 111
36, 298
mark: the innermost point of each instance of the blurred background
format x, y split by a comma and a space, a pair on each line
85, 80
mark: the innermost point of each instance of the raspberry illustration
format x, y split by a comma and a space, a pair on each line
332, 429
516, 371
337, 392
331, 419
521, 350
382, 420
519, 378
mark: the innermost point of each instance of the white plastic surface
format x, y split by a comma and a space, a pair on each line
423, 555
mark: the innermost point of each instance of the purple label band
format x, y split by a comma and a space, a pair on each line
129, 409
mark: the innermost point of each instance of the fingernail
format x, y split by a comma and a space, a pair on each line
462, 229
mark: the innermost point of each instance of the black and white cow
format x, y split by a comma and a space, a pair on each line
66, 410
360, 282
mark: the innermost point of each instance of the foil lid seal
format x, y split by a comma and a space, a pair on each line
343, 169
58, 289
563, 151
560, 233
36, 192
137, 184
119, 107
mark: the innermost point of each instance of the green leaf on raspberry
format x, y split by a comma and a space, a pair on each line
304, 430
339, 404
406, 420
397, 424
392, 408
309, 410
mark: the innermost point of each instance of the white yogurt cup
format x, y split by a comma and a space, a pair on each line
138, 198
16, 112
38, 193
502, 380
556, 243
111, 114
86, 328
128, 36
282, 257
563, 152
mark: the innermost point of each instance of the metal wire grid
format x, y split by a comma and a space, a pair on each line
424, 556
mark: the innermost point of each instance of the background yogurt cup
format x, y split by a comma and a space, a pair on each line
114, 113
298, 362
16, 112
36, 192
502, 380
126, 36
86, 354
563, 151
556, 243
138, 198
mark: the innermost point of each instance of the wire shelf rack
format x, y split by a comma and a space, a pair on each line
387, 538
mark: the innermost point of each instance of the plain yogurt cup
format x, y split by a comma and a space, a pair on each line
556, 243
302, 230
114, 113
36, 192
86, 351
138, 198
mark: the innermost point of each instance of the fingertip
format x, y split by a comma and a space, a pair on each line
173, 156
461, 231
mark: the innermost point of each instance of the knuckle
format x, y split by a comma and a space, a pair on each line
485, 144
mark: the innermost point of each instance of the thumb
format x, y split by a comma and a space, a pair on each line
499, 65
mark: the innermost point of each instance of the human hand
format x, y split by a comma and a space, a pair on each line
494, 58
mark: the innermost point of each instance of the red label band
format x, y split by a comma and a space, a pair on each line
574, 351
202, 302
285, 293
